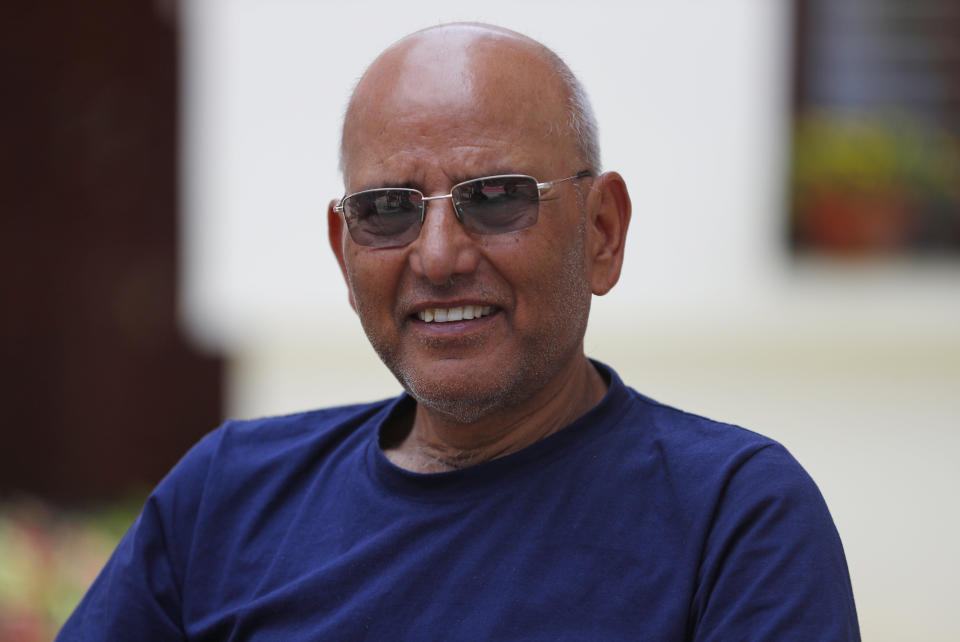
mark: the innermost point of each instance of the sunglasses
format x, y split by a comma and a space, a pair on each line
393, 216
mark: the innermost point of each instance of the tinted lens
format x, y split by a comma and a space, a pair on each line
498, 204
383, 217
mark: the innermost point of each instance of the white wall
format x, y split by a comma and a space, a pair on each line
856, 368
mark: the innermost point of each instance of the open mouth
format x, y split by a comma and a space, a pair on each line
459, 313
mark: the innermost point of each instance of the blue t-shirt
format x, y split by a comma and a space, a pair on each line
635, 522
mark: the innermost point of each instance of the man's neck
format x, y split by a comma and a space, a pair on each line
437, 443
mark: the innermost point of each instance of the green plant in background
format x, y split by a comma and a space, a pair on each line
882, 180
874, 153
48, 559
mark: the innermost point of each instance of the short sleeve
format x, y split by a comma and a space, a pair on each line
773, 566
137, 595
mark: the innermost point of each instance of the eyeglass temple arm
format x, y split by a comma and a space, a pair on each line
581, 174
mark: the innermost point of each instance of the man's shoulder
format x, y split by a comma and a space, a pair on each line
292, 428
712, 461
243, 448
696, 432
253, 463
692, 452
673, 430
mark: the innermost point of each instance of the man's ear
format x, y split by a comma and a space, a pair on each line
336, 233
610, 204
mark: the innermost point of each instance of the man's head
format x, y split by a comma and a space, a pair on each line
449, 104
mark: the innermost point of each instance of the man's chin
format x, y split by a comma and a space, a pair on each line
468, 389
458, 404
458, 411
463, 400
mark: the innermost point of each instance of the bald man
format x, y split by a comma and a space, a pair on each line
516, 489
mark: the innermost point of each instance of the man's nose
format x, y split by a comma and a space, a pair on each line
443, 248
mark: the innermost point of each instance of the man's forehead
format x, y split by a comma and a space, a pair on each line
415, 169
440, 151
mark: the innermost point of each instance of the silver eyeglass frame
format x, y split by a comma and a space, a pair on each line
425, 199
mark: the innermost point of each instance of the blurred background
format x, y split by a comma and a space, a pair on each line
793, 264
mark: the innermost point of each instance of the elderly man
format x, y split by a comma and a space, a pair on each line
516, 490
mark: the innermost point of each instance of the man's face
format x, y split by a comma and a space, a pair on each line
430, 121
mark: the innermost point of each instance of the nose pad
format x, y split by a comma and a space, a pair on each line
443, 248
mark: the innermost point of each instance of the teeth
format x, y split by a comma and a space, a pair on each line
442, 315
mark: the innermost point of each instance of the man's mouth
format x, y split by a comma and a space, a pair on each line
459, 313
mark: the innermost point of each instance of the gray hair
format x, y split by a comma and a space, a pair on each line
581, 122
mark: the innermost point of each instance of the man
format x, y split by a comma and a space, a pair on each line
517, 490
